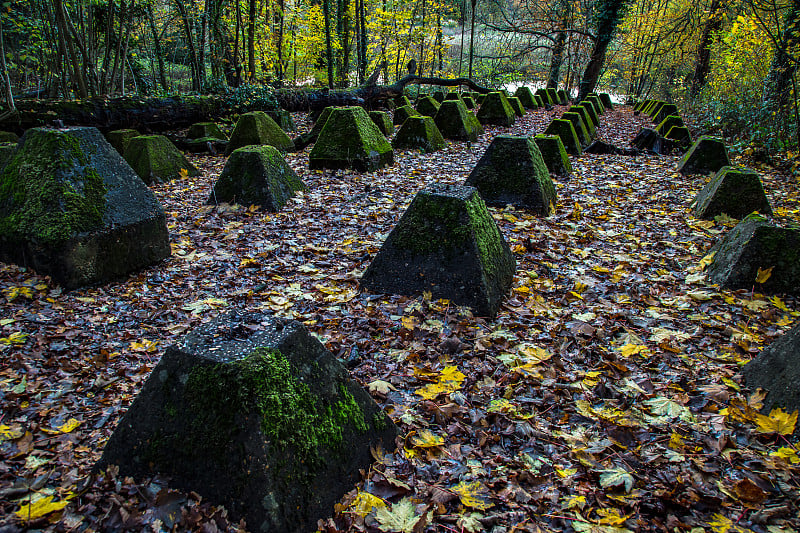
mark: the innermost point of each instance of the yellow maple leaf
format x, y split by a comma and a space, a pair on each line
364, 503
473, 495
632, 349
15, 338
778, 421
10, 432
533, 354
705, 261
787, 454
449, 380
146, 346
409, 322
763, 274
427, 439
69, 426
184, 173
40, 507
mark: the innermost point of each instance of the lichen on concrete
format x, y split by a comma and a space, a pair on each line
419, 133
350, 139
258, 128
707, 155
735, 192
155, 159
554, 154
496, 110
456, 122
564, 129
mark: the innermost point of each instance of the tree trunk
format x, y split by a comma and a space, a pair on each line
251, 40
712, 26
279, 15
162, 76
778, 82
6, 81
326, 10
609, 15
556, 60
187, 29
471, 36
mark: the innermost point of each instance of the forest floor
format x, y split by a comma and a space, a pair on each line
606, 395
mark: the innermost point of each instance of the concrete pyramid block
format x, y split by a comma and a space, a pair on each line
209, 130
669, 121
681, 135
496, 110
252, 412
72, 208
256, 175
597, 103
155, 159
554, 155
446, 243
666, 111
402, 113
468, 102
119, 138
753, 244
592, 110
456, 122
543, 94
350, 139
525, 96
735, 192
777, 370
606, 99
706, 156
517, 106
552, 94
563, 98
512, 171
258, 128
427, 106
564, 129
383, 121
8, 137
419, 133
587, 118
6, 151
580, 127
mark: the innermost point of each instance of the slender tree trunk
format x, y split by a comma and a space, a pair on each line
556, 60
187, 29
712, 26
251, 40
609, 15
162, 76
107, 53
473, 3
65, 41
6, 80
462, 19
326, 11
778, 82
279, 15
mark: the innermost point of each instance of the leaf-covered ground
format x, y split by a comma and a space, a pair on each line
606, 396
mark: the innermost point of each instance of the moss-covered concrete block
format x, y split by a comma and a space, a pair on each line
552, 94
119, 138
350, 139
469, 102
539, 100
579, 126
496, 110
545, 96
6, 151
525, 96
757, 243
777, 370
512, 171
707, 155
282, 118
258, 128
516, 105
587, 118
256, 175
597, 103
419, 133
456, 122
592, 110
606, 99
446, 243
553, 154
383, 121
252, 412
650, 140
206, 129
402, 101
681, 135
665, 111
8, 137
479, 99
71, 208
655, 109
669, 121
439, 96
453, 95
427, 106
402, 113
641, 105
735, 192
564, 129
155, 159
563, 97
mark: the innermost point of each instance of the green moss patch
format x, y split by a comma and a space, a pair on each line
668, 122
707, 155
383, 121
8, 137
402, 113
427, 106
48, 191
597, 103
6, 151
735, 192
119, 139
206, 130
419, 133
516, 105
155, 159
592, 110
579, 126
525, 96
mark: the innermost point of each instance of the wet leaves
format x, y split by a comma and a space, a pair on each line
606, 396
